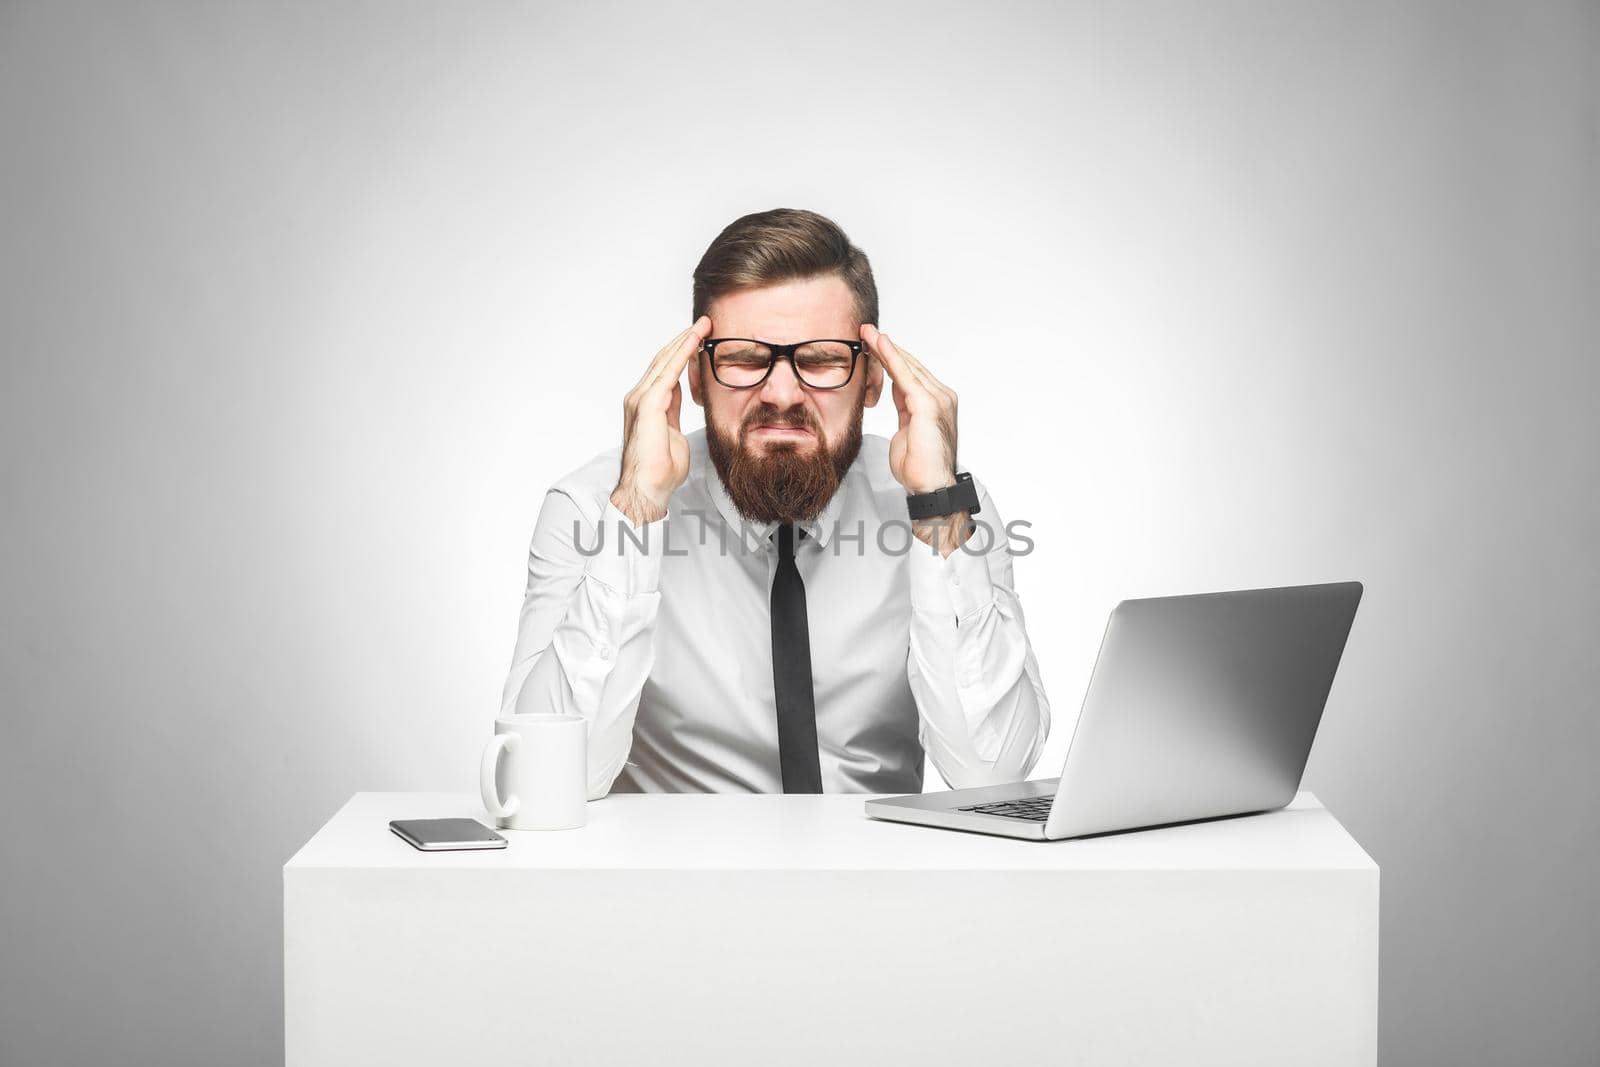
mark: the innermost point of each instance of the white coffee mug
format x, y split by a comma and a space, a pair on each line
535, 770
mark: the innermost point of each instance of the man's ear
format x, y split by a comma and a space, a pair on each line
874, 381
694, 380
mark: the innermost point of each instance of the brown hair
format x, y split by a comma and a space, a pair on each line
781, 245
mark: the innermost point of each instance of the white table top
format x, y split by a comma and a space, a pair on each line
724, 831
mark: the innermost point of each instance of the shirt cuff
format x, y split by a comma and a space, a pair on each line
957, 583
629, 559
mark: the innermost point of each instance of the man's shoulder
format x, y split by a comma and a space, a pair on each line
594, 479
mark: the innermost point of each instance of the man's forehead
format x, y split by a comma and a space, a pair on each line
788, 311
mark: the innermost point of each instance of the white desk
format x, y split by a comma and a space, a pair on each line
739, 929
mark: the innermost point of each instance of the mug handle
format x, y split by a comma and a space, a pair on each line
486, 773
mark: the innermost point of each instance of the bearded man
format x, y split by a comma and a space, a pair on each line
777, 602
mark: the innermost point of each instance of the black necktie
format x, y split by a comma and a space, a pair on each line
791, 674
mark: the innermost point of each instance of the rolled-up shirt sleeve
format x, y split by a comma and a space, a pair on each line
983, 710
585, 637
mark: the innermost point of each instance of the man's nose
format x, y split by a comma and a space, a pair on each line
782, 389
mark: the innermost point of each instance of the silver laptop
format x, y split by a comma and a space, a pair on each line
1199, 707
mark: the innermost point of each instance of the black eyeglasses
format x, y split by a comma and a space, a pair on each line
743, 363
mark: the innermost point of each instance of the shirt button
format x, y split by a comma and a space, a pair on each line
605, 652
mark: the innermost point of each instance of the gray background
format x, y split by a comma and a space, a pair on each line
302, 308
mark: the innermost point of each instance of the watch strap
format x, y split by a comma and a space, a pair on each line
962, 496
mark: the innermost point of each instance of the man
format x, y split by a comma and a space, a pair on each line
743, 608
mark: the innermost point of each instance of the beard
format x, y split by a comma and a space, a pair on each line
782, 484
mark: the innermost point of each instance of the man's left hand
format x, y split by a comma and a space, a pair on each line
922, 454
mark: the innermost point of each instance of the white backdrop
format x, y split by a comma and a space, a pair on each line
302, 309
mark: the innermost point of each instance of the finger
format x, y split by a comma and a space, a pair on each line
654, 368
919, 372
674, 405
688, 342
887, 353
919, 391
691, 336
918, 369
672, 371
912, 370
900, 405
934, 385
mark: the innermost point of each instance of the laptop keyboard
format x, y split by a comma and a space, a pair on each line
1036, 809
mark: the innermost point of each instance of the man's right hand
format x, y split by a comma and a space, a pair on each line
655, 454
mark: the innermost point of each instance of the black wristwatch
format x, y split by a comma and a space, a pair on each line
963, 496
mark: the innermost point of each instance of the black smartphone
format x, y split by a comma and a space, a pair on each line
443, 835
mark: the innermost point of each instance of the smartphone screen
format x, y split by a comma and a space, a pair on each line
439, 835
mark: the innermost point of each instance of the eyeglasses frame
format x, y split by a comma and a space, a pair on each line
708, 346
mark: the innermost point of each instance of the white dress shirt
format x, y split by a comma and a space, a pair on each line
660, 636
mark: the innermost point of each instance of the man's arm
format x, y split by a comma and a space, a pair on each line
585, 641
984, 713
586, 635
